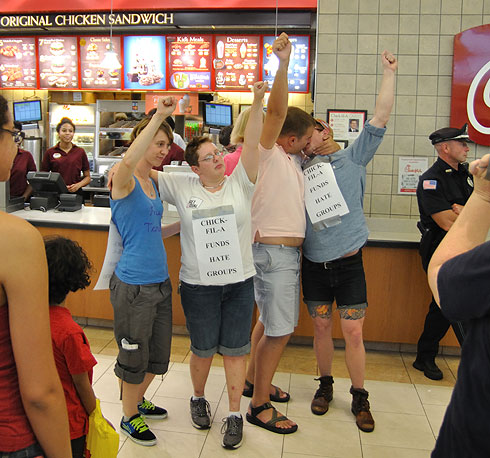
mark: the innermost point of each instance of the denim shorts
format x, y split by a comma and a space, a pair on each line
277, 287
342, 279
218, 318
33, 451
142, 328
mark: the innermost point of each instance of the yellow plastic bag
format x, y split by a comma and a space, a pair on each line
102, 440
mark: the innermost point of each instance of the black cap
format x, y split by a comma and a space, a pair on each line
449, 133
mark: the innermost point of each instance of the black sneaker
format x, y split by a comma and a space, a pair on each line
429, 368
151, 411
200, 414
233, 431
137, 430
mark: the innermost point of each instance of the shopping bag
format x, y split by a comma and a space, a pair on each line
102, 440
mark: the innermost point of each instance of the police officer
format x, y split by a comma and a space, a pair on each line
441, 194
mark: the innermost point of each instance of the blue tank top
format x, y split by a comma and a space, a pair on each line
139, 221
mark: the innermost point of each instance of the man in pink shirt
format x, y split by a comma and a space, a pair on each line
278, 227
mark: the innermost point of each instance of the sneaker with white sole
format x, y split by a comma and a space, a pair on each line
150, 411
137, 430
200, 413
232, 431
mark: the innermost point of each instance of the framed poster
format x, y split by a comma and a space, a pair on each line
409, 171
346, 124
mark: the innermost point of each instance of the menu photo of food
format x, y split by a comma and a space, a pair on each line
299, 62
144, 62
97, 56
237, 61
190, 61
17, 63
58, 62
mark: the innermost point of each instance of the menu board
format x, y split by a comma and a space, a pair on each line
237, 61
94, 71
190, 62
298, 63
144, 62
58, 62
17, 63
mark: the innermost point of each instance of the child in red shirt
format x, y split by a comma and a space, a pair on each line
69, 268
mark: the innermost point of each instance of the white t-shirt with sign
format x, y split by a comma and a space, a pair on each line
188, 195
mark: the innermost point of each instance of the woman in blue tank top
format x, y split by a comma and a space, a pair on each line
140, 288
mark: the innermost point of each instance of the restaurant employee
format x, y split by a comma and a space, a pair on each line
67, 158
23, 163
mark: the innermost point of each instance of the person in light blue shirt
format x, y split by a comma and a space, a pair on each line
332, 266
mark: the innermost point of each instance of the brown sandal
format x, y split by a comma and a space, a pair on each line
248, 392
271, 424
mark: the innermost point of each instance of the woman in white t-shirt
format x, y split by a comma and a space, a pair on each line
217, 266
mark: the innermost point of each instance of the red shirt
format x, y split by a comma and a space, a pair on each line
176, 153
23, 163
15, 430
72, 356
69, 165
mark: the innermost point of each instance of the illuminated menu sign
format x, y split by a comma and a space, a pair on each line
96, 56
58, 62
190, 62
144, 62
298, 63
17, 63
237, 61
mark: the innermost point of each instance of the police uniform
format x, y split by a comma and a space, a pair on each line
438, 189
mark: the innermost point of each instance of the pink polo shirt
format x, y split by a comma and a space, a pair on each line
278, 205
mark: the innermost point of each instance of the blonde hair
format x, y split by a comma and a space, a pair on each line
238, 132
164, 127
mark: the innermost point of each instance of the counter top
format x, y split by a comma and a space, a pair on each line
401, 232
89, 218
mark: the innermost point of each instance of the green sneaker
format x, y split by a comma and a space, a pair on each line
137, 430
151, 411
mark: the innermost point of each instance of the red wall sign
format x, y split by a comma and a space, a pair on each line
470, 92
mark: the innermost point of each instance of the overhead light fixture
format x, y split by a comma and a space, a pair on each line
110, 60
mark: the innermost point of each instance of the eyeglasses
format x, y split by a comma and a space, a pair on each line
209, 157
16, 135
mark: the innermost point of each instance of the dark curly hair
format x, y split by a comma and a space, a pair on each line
4, 108
69, 268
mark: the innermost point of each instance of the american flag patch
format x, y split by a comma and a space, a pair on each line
429, 184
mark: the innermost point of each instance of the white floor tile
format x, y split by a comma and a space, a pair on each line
378, 451
394, 397
435, 414
430, 394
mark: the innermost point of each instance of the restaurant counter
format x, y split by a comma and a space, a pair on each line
398, 294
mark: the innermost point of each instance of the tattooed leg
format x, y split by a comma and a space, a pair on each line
355, 356
322, 341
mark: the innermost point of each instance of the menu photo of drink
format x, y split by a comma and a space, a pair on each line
144, 62
190, 62
237, 61
18, 63
97, 55
298, 70
58, 62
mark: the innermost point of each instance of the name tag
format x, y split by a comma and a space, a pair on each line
217, 245
323, 198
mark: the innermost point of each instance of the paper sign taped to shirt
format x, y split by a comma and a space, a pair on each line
217, 245
323, 198
113, 253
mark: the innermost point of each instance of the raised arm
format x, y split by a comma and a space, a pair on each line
277, 106
386, 96
253, 130
122, 179
470, 228
27, 294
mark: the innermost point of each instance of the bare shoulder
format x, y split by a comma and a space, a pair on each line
17, 235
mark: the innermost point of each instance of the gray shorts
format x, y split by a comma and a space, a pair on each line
142, 328
277, 287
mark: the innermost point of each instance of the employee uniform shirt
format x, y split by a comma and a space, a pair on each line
278, 206
72, 356
465, 296
178, 140
69, 165
349, 167
440, 187
187, 193
23, 163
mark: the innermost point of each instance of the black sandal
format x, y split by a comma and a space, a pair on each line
269, 425
248, 392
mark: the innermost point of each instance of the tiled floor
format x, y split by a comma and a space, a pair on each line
408, 408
